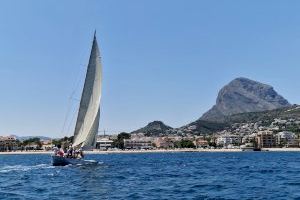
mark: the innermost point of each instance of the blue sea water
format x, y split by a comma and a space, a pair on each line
239, 175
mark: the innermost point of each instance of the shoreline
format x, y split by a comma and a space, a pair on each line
157, 151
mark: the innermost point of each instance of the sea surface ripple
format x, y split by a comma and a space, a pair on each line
236, 175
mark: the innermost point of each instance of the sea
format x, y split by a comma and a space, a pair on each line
194, 175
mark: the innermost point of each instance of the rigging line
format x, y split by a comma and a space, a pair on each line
80, 78
69, 107
71, 121
66, 116
75, 88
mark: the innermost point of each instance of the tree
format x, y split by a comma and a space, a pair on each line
119, 142
56, 142
35, 141
184, 144
65, 141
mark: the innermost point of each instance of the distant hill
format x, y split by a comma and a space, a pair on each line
22, 138
154, 128
244, 95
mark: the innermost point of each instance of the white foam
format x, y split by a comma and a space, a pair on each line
10, 168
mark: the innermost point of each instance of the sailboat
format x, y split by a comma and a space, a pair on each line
87, 122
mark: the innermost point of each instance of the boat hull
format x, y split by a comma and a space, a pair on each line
251, 149
63, 161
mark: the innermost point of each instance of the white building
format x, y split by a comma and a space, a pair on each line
248, 138
286, 138
103, 143
225, 140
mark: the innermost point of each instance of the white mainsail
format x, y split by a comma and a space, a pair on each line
87, 123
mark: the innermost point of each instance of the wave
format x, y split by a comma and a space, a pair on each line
11, 168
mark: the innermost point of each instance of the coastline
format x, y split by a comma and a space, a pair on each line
156, 151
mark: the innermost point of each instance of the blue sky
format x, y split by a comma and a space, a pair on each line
163, 60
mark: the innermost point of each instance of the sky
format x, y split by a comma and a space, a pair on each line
162, 60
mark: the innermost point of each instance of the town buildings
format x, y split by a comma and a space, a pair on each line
138, 142
265, 139
47, 145
8, 143
261, 134
164, 142
200, 142
228, 139
287, 139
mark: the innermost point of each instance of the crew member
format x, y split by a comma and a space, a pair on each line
60, 151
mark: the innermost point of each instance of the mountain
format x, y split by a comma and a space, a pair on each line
154, 128
241, 101
243, 95
200, 127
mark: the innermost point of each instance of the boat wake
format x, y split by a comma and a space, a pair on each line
12, 168
87, 163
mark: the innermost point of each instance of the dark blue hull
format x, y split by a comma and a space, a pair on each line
62, 161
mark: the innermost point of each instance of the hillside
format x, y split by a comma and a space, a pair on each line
292, 112
154, 128
199, 127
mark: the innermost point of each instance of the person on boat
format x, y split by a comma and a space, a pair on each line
60, 152
70, 152
81, 153
76, 153
65, 150
55, 150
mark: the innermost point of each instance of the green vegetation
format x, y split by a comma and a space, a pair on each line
208, 127
119, 142
292, 112
184, 144
65, 141
265, 117
34, 141
30, 142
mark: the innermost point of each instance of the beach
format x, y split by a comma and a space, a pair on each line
155, 151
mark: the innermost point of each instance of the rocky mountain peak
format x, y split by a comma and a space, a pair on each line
244, 95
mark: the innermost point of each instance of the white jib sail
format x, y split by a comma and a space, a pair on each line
87, 123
